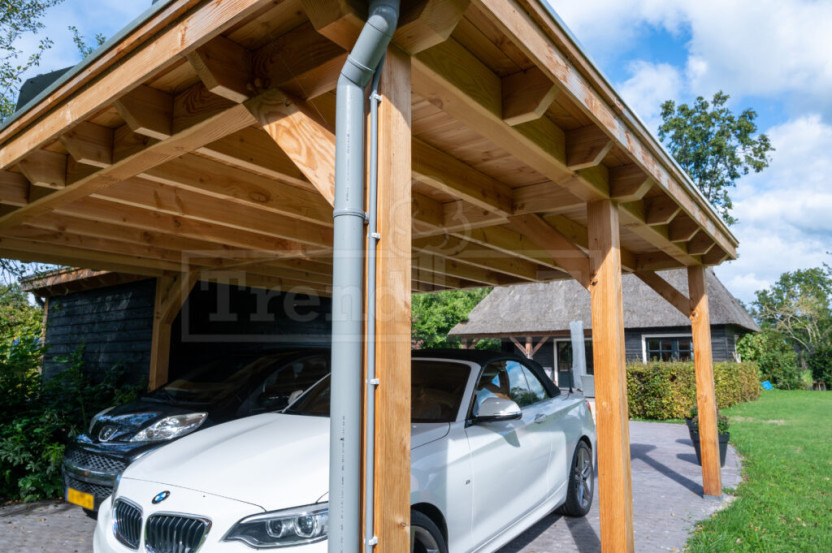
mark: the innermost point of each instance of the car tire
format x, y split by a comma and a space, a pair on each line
426, 534
581, 483
90, 513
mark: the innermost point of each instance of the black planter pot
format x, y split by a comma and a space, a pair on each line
723, 446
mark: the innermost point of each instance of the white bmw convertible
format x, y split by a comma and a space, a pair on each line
495, 447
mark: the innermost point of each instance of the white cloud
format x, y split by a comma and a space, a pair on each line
650, 85
745, 47
784, 212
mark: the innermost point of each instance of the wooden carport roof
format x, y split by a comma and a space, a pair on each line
202, 141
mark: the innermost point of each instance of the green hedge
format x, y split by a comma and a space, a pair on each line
661, 391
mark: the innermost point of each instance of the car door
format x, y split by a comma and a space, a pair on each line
509, 459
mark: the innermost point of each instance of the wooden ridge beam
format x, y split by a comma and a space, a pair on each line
225, 68
586, 147
563, 252
517, 22
666, 290
526, 96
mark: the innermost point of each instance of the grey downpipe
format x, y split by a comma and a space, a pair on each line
372, 382
347, 273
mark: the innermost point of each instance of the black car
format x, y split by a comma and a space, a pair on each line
210, 394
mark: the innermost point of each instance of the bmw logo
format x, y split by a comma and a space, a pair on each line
161, 496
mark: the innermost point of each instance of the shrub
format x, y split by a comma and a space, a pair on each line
661, 391
775, 358
37, 418
820, 363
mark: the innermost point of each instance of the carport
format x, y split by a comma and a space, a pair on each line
199, 143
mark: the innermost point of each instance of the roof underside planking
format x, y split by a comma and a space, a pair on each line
204, 140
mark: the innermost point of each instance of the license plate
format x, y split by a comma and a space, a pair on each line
85, 500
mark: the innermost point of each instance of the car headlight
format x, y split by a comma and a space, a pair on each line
170, 427
98, 416
296, 526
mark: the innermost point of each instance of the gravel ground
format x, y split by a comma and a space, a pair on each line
667, 502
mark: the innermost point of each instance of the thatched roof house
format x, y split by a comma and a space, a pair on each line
654, 329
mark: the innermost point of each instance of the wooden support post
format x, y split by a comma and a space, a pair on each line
393, 282
615, 487
171, 293
705, 394
527, 351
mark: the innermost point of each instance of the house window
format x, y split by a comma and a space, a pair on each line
563, 350
670, 348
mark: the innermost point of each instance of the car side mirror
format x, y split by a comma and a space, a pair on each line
494, 409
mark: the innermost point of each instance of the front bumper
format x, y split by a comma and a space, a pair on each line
92, 471
222, 512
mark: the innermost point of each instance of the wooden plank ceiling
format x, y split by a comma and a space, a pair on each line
205, 141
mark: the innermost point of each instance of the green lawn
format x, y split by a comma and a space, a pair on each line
785, 501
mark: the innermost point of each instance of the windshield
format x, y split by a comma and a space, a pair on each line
437, 389
218, 379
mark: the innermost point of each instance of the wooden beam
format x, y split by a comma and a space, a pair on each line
714, 257
301, 62
202, 207
14, 189
569, 257
171, 293
629, 183
450, 175
393, 271
682, 229
700, 244
615, 489
705, 392
422, 24
666, 290
544, 197
450, 77
302, 136
476, 255
660, 210
559, 63
539, 345
225, 68
527, 95
586, 147
518, 345
206, 124
147, 111
89, 144
44, 168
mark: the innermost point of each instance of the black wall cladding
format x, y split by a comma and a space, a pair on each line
114, 326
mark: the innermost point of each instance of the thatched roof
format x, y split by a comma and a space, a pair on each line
547, 308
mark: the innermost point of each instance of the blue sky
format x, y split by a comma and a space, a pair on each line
774, 56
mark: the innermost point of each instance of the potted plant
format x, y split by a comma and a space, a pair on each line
722, 430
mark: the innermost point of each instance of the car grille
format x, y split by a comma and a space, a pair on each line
98, 491
128, 523
174, 533
97, 463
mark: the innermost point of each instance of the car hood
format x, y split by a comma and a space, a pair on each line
275, 461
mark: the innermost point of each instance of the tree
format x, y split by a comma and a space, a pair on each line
18, 18
798, 307
434, 315
714, 146
18, 317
